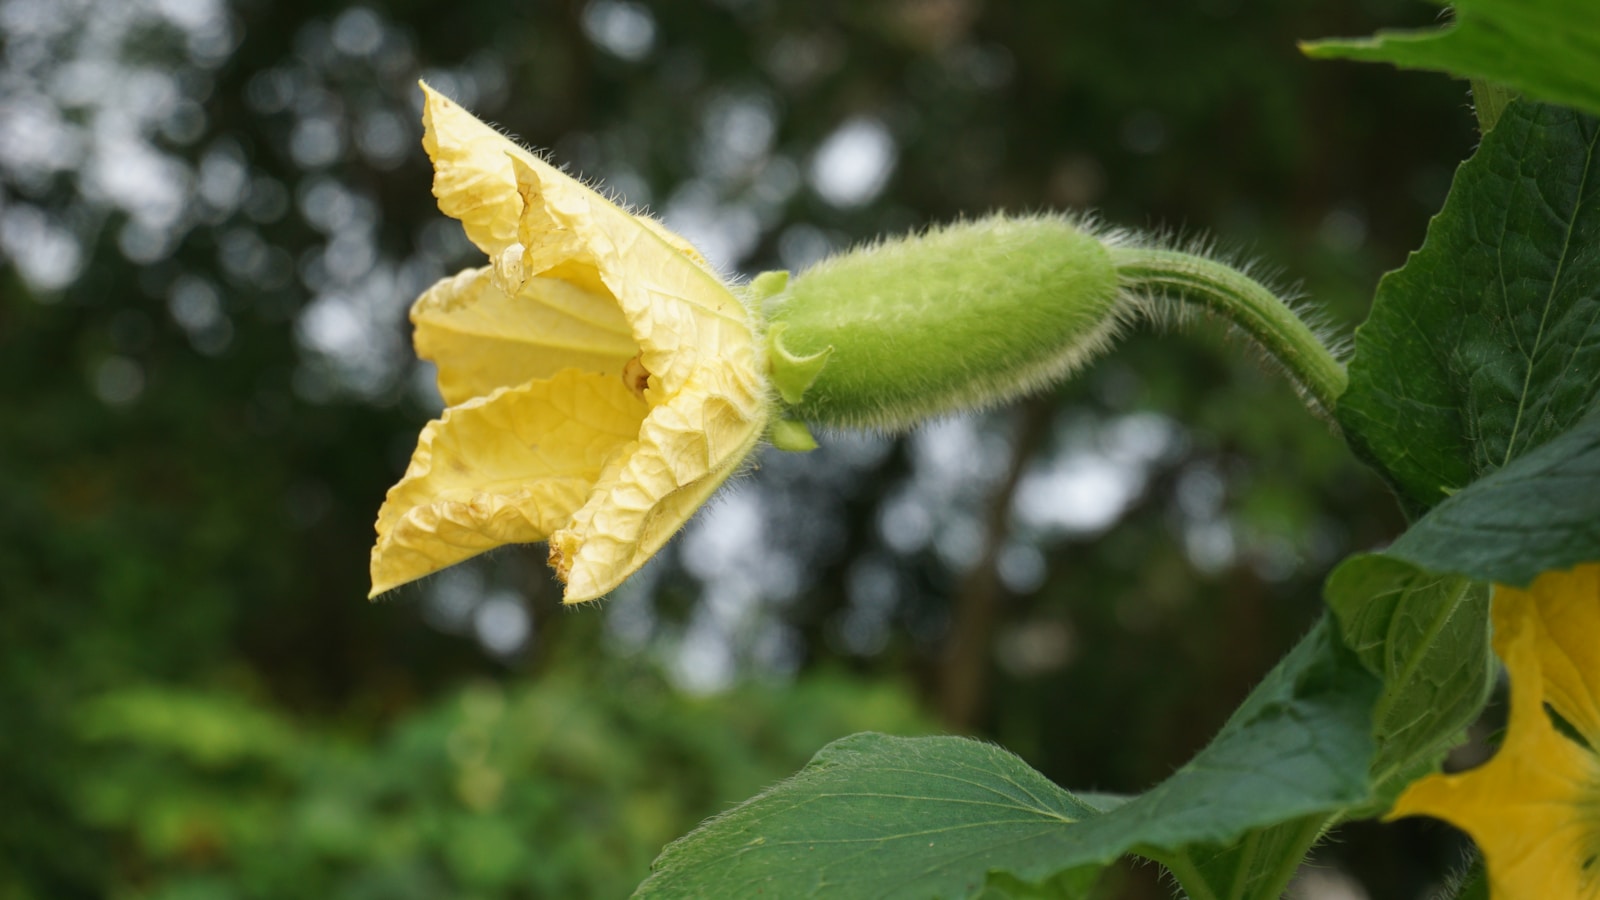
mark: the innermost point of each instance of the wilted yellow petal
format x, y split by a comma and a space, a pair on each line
508, 468
686, 449
1566, 607
677, 243
472, 174
481, 339
572, 280
684, 319
1532, 808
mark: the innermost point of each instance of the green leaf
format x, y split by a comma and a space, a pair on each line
1486, 343
1427, 636
879, 816
1548, 49
1540, 513
1299, 744
883, 817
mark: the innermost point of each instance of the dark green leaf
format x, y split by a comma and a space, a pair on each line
1428, 637
875, 816
1486, 343
879, 816
1298, 744
1549, 49
1540, 513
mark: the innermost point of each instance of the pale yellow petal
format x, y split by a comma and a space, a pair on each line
686, 449
482, 339
475, 181
1566, 606
1530, 808
508, 468
678, 243
697, 365
472, 174
684, 319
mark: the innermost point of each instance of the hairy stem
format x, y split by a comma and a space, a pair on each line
1292, 855
1246, 303
1189, 878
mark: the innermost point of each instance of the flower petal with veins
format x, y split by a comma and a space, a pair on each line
511, 467
482, 339
603, 379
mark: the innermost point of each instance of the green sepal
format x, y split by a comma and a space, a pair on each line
792, 375
765, 286
791, 435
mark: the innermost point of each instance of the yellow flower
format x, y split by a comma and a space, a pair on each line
1534, 809
602, 380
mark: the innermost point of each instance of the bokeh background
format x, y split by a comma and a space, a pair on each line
214, 215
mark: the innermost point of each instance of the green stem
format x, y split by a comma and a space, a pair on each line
1183, 869
1247, 861
1292, 855
1288, 845
1245, 302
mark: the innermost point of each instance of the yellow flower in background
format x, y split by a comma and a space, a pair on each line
1534, 809
602, 380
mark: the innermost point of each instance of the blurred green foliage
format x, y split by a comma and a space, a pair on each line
561, 788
